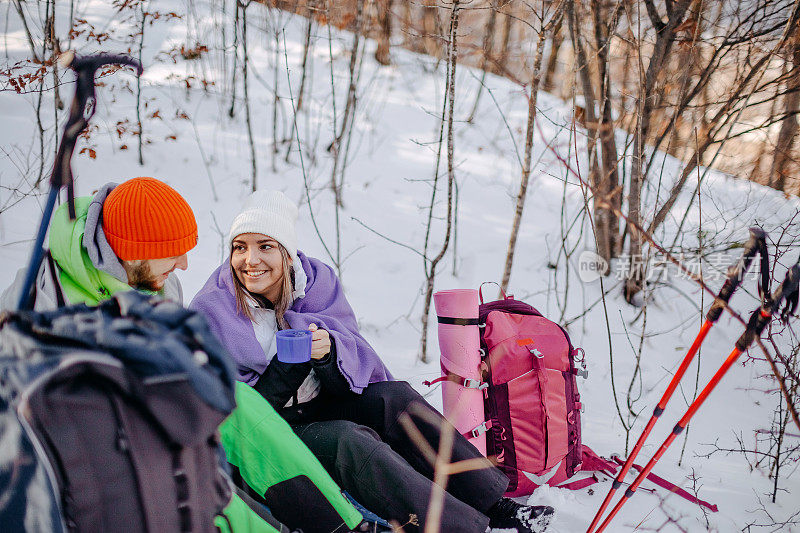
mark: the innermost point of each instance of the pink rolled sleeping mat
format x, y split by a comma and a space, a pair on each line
459, 344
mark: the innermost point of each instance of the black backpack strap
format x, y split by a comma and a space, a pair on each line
51, 265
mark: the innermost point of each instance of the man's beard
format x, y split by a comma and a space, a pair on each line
141, 277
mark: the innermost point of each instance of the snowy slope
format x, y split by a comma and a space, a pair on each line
387, 188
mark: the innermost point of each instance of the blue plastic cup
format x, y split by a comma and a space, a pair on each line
294, 345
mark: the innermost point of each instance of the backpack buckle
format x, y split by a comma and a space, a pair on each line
485, 426
474, 384
582, 373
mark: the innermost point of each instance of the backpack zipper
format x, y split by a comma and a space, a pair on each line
521, 375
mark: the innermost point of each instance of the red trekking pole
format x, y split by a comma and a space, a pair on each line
756, 244
755, 326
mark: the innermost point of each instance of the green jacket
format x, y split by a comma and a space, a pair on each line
80, 280
267, 453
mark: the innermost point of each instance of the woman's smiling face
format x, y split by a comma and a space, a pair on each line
257, 262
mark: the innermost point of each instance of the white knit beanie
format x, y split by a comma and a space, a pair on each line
270, 213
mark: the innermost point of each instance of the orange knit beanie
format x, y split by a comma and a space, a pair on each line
145, 218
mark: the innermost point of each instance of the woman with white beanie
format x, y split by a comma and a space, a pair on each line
343, 404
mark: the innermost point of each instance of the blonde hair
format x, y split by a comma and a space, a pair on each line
284, 299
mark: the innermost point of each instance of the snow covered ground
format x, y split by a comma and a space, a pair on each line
390, 163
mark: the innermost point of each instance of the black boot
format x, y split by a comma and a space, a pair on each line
508, 514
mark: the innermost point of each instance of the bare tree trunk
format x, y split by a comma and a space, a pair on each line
526, 167
757, 174
40, 97
665, 38
430, 270
143, 15
304, 72
28, 35
51, 42
349, 109
245, 63
786, 136
486, 50
383, 51
301, 91
548, 82
231, 110
609, 182
498, 66
276, 99
40, 127
430, 29
224, 34
599, 189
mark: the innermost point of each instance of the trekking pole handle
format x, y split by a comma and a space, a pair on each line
761, 316
81, 110
756, 244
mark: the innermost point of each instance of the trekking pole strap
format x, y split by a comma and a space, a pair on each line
759, 319
756, 244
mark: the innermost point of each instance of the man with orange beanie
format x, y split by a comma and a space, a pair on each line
128, 236
132, 235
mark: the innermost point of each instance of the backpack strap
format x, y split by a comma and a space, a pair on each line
467, 383
502, 292
458, 321
479, 430
672, 487
591, 462
580, 483
61, 301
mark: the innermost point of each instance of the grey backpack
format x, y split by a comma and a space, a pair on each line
108, 419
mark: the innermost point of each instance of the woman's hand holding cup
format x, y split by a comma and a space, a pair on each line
320, 342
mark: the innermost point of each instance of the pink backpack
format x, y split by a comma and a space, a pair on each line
532, 404
510, 387
531, 417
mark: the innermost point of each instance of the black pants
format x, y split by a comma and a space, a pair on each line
359, 440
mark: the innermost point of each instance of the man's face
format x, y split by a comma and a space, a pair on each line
151, 274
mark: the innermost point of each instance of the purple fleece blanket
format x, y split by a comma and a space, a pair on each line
324, 304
